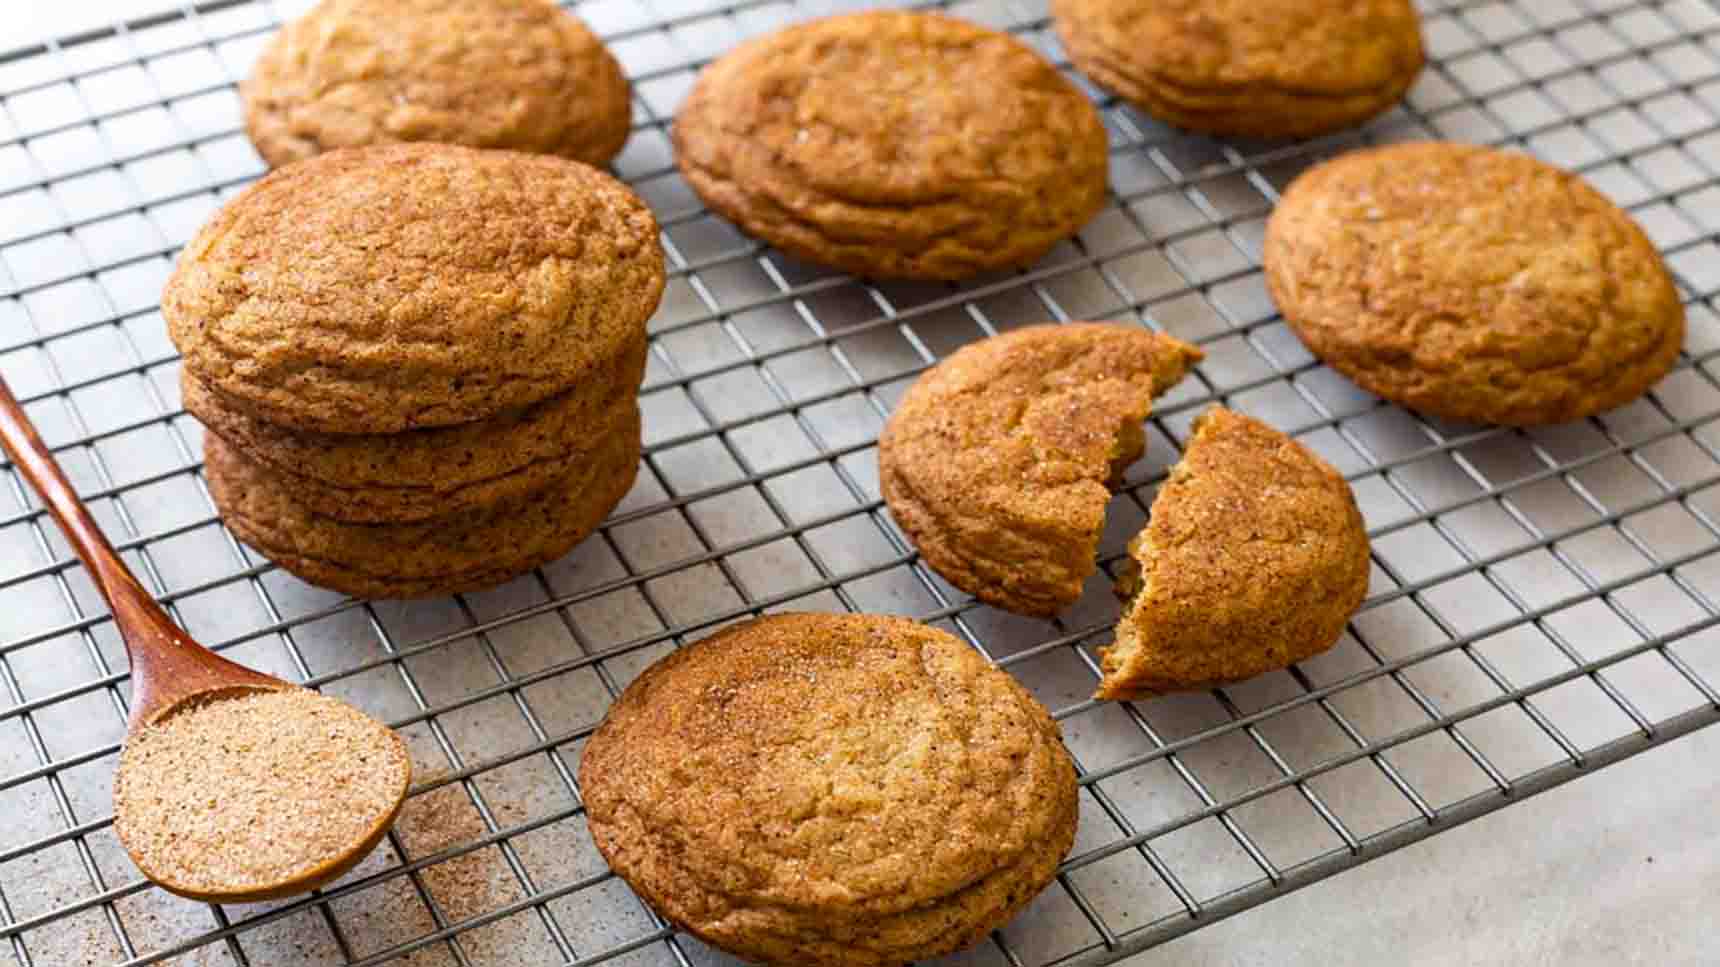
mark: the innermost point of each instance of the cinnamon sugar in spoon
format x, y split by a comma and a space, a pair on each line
233, 786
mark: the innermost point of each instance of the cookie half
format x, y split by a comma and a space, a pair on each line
998, 461
894, 145
383, 289
1255, 68
419, 474
830, 789
1472, 284
518, 74
447, 555
1255, 557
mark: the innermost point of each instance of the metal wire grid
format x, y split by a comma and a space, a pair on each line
1543, 601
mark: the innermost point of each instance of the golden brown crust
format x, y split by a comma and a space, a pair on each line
517, 74
894, 145
996, 462
375, 290
1472, 284
1256, 68
1255, 557
447, 555
419, 474
831, 789
363, 504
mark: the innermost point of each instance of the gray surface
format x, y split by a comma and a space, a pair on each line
1514, 570
1618, 868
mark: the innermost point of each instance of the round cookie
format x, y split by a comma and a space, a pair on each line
448, 555
852, 790
419, 474
376, 290
518, 74
1472, 284
1252, 68
1255, 557
894, 145
998, 461
361, 504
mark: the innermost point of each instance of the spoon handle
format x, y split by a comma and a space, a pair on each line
36, 462
166, 664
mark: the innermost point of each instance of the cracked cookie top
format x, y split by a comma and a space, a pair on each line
894, 144
376, 290
817, 788
518, 74
997, 461
1255, 557
1472, 284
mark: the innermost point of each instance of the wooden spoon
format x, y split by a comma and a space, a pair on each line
233, 786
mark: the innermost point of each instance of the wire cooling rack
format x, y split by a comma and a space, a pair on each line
1544, 602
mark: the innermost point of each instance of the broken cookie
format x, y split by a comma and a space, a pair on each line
999, 461
1255, 558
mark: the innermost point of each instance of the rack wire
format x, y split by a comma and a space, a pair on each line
1543, 604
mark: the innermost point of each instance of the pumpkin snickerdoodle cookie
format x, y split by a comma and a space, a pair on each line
1472, 284
445, 555
377, 290
998, 461
418, 364
1255, 68
419, 474
895, 145
1255, 557
853, 790
518, 74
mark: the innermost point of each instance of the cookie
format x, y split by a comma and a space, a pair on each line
999, 460
830, 789
383, 289
1252, 68
1472, 284
894, 145
447, 555
517, 74
418, 474
1255, 557
363, 504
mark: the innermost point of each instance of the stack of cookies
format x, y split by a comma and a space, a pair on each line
419, 363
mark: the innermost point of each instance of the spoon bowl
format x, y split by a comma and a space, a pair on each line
291, 789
